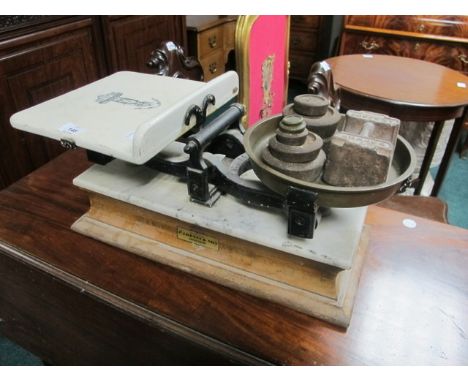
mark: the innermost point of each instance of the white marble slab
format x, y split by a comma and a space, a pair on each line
334, 243
127, 115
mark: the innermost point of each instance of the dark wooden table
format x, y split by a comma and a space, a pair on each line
407, 89
73, 300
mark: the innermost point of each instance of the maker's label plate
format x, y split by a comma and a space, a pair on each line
197, 238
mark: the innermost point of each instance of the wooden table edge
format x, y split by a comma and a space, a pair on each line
129, 308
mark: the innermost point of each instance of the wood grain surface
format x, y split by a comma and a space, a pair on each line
411, 306
407, 89
453, 26
452, 55
400, 80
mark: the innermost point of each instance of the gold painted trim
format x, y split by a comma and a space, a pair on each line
243, 28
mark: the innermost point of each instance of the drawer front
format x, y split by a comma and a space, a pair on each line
305, 21
213, 65
229, 35
454, 56
305, 41
397, 23
452, 26
355, 43
209, 41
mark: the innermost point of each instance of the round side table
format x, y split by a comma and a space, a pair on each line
407, 89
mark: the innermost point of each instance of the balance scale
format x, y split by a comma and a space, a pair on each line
170, 186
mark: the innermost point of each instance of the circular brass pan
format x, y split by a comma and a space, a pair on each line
403, 164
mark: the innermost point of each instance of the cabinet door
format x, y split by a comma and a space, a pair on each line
131, 39
34, 68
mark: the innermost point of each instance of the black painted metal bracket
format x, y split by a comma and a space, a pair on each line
199, 112
208, 179
199, 173
301, 209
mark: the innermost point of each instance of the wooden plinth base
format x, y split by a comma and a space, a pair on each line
313, 288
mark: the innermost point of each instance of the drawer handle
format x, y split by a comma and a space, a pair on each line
370, 45
212, 42
212, 68
463, 58
421, 27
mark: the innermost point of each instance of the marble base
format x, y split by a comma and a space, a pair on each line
149, 213
334, 243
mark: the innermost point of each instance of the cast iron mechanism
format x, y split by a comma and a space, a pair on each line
67, 144
208, 176
408, 183
199, 113
302, 212
95, 157
198, 171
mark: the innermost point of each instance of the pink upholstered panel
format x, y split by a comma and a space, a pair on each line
267, 48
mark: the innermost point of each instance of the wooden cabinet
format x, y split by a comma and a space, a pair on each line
303, 45
34, 68
43, 57
439, 39
130, 40
211, 39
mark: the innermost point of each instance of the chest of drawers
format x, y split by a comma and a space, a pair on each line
211, 40
439, 39
303, 44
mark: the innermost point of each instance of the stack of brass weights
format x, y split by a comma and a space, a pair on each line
295, 151
319, 117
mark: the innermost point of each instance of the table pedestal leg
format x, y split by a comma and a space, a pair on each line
431, 147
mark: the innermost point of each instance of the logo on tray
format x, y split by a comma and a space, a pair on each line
117, 97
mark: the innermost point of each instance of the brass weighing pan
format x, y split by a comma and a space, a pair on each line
403, 165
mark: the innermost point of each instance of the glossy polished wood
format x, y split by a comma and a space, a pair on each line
424, 25
129, 40
407, 89
211, 41
34, 68
400, 80
428, 207
440, 39
411, 306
